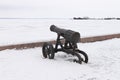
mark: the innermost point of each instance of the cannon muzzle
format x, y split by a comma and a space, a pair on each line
69, 35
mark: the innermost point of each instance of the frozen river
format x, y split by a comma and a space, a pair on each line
14, 31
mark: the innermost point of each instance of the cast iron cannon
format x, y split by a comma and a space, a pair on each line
69, 35
69, 45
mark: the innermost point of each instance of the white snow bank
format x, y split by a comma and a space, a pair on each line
104, 64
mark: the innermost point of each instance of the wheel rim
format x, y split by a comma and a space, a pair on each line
84, 56
48, 51
77, 58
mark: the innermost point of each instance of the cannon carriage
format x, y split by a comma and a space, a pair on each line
69, 45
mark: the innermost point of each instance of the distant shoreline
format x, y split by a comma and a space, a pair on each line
88, 18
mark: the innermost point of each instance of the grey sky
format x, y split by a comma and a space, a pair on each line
59, 8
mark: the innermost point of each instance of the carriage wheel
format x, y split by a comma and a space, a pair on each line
84, 56
48, 50
78, 58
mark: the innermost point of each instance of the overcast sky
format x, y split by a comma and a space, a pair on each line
59, 8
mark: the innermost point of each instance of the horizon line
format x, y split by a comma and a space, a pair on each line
31, 18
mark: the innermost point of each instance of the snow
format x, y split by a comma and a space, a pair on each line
17, 31
29, 64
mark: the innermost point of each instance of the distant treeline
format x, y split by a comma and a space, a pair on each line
88, 18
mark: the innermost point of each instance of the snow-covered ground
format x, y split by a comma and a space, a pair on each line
28, 64
15, 31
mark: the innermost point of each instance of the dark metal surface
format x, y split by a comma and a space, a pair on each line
69, 35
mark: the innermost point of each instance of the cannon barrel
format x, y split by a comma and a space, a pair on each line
69, 35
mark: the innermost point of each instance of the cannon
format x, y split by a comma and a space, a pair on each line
67, 42
69, 35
